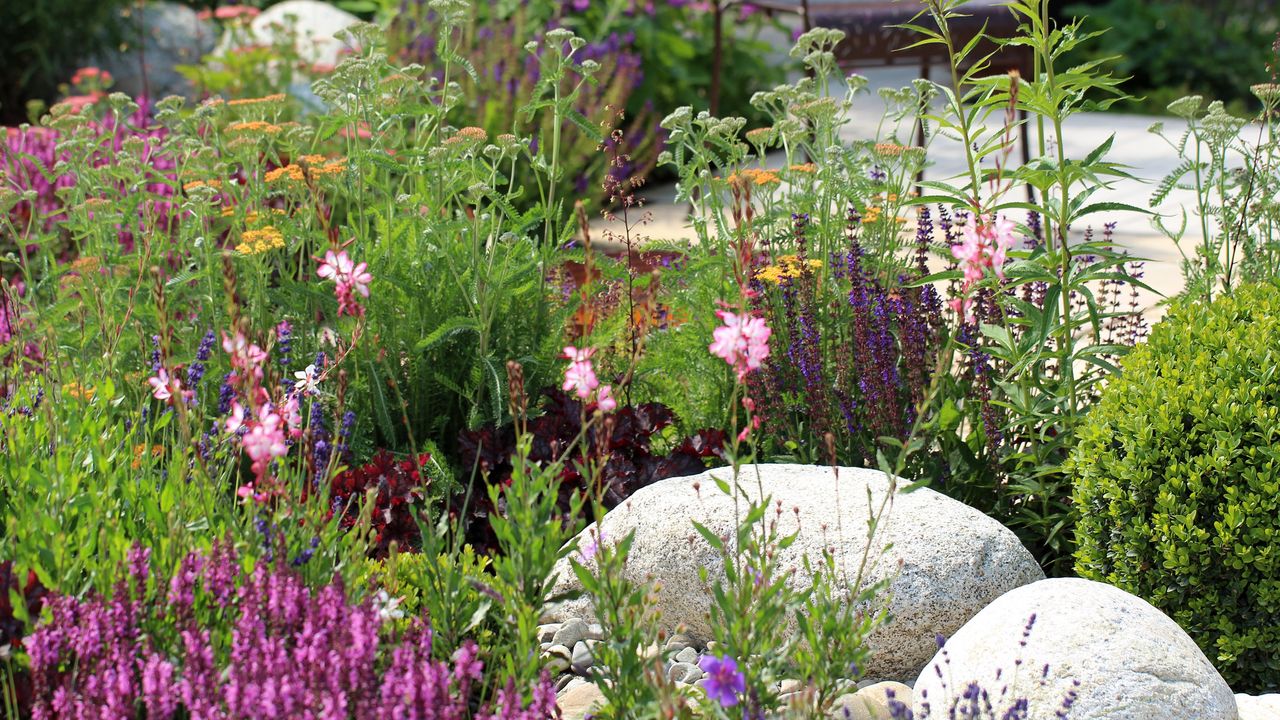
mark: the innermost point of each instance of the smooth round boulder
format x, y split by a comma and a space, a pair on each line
943, 561
158, 37
315, 28
1070, 642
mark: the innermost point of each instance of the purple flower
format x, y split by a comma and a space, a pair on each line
724, 683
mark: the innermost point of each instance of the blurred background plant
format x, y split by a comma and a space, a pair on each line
1170, 48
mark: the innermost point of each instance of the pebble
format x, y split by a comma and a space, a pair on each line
581, 659
578, 700
684, 672
558, 659
678, 642
595, 631
546, 632
570, 633
687, 655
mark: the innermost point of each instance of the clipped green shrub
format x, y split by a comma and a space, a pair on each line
1177, 480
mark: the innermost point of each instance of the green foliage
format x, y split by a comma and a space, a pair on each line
1231, 169
1177, 478
443, 584
1168, 48
41, 43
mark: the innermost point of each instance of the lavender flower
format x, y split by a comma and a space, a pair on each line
284, 341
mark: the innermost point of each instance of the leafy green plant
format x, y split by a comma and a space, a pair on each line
1176, 477
1233, 173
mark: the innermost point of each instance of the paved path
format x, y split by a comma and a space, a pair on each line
1148, 157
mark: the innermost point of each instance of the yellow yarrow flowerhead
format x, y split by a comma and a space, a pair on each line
256, 242
288, 172
77, 391
251, 127
754, 176
197, 184
805, 168
788, 267
256, 101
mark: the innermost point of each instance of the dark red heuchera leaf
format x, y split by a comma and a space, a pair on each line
631, 465
12, 629
400, 484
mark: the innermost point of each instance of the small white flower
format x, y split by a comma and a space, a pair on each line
388, 607
307, 380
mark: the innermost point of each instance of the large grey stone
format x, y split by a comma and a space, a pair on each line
158, 37
1116, 655
946, 561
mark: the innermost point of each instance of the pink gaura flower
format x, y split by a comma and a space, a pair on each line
265, 441
236, 420
580, 377
162, 386
245, 356
605, 400
743, 341
349, 277
986, 244
293, 416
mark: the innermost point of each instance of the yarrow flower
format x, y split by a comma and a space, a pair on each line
743, 342
724, 682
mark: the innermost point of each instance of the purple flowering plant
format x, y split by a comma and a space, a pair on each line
215, 639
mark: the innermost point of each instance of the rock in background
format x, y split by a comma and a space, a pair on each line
159, 36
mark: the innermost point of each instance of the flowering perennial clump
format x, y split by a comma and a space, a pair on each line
154, 646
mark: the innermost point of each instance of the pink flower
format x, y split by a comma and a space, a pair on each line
244, 354
985, 245
962, 306
335, 266
743, 342
235, 420
605, 400
162, 386
349, 276
231, 12
265, 441
293, 416
580, 377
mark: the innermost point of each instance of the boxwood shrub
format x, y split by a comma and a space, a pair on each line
1177, 480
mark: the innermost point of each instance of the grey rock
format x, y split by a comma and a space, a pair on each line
942, 560
581, 659
158, 37
557, 659
684, 672
546, 632
687, 655
570, 633
578, 700
678, 642
1258, 707
595, 631
1123, 658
